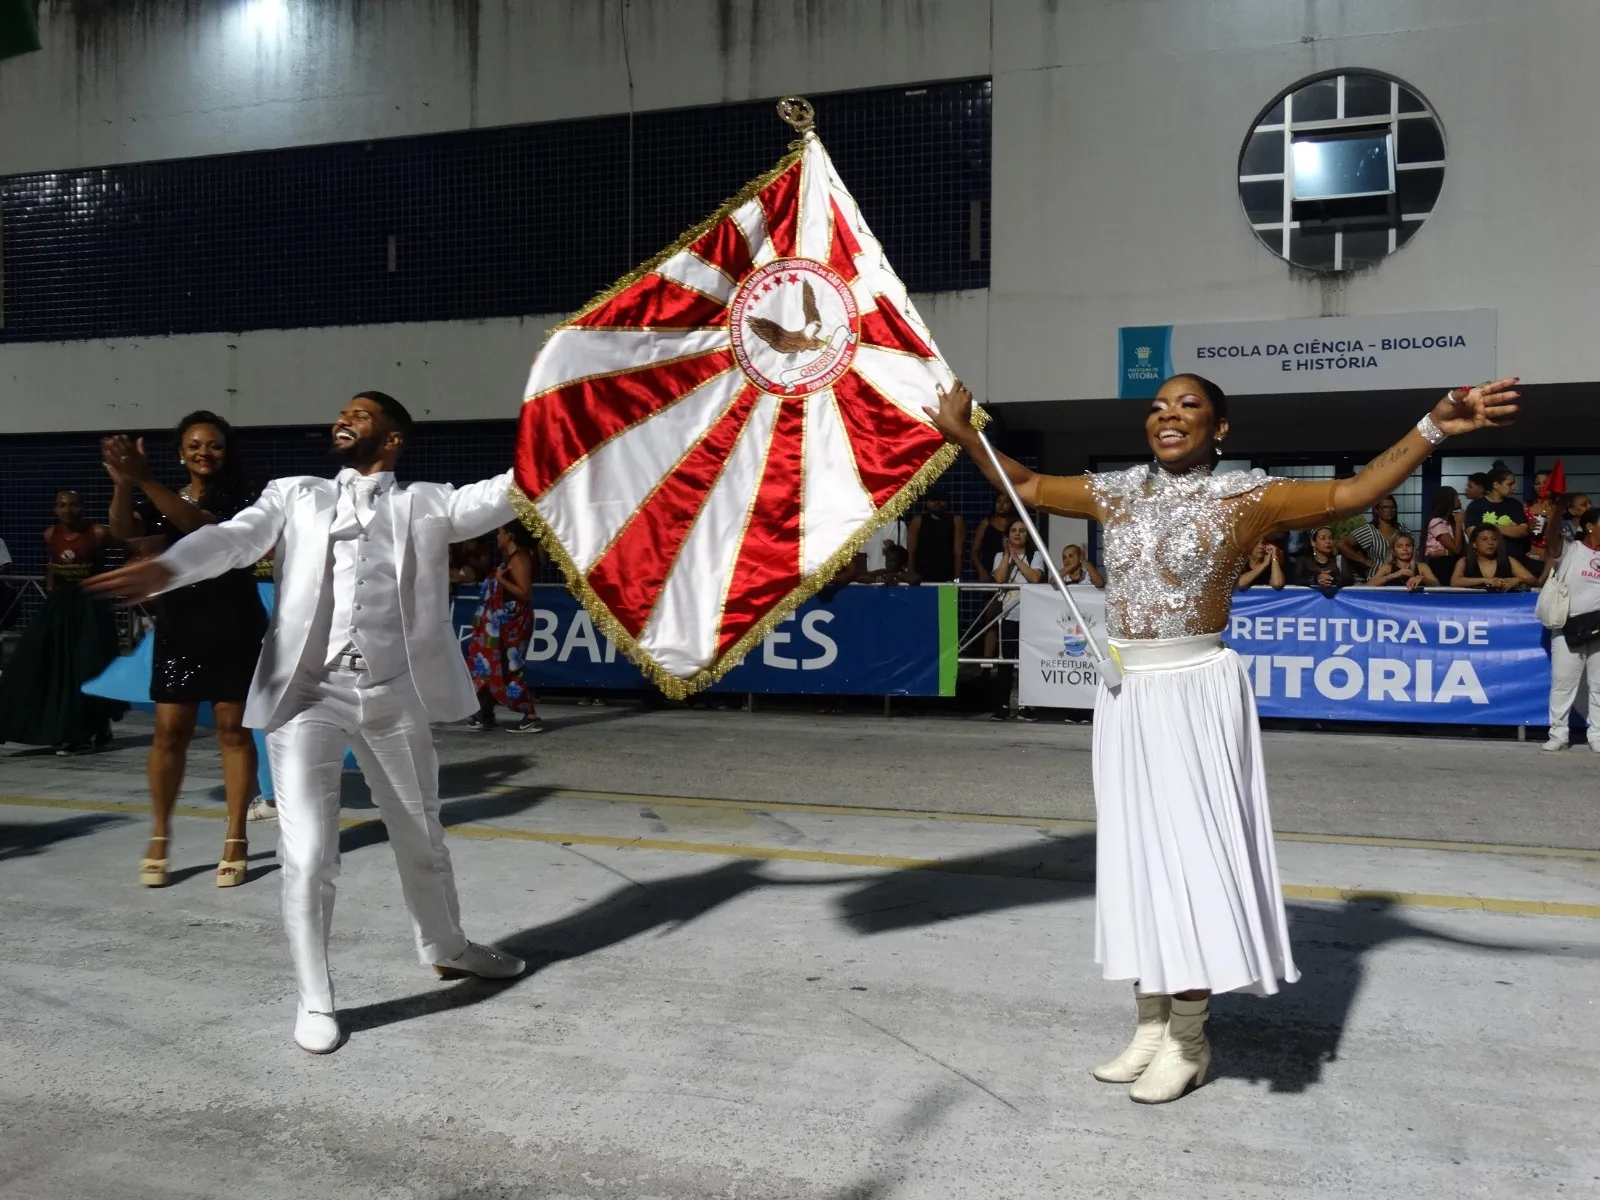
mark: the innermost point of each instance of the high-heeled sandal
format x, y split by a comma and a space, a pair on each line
230, 871
153, 871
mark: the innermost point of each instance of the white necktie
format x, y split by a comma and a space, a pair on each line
363, 490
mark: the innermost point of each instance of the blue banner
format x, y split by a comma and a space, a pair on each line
864, 641
1146, 353
1366, 654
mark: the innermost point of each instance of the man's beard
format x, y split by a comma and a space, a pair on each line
362, 452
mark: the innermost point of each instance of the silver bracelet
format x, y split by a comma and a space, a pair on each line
1430, 432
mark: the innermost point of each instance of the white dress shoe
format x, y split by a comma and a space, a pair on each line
316, 1032
1130, 1064
483, 961
1181, 1063
1558, 741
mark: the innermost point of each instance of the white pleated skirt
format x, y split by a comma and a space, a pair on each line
1187, 893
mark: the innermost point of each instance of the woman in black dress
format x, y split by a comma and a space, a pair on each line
70, 642
208, 635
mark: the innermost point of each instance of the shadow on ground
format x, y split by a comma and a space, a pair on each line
473, 782
625, 913
964, 887
20, 839
1286, 1042
266, 857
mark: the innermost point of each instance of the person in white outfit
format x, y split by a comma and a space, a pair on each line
1187, 894
361, 652
1575, 648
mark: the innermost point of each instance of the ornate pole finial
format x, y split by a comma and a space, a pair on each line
797, 111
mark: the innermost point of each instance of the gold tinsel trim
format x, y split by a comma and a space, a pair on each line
671, 685
676, 687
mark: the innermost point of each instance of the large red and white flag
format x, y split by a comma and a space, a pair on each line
709, 441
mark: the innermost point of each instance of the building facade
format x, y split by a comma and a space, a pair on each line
261, 206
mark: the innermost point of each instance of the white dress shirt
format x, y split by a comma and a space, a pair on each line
361, 593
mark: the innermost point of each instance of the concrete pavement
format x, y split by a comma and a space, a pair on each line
747, 982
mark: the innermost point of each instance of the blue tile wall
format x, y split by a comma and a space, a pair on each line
466, 225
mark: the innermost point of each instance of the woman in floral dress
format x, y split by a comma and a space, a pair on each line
500, 636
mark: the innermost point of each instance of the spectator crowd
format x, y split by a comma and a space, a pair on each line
1492, 541
1489, 539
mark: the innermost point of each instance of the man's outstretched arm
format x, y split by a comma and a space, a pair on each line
477, 508
240, 541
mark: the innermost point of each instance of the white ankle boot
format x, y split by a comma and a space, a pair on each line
1127, 1066
1181, 1062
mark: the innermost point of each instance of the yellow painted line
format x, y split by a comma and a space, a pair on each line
1540, 908
1064, 825
1052, 823
1399, 843
115, 806
887, 862
966, 866
828, 810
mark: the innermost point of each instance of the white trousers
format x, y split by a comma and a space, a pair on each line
386, 726
1567, 667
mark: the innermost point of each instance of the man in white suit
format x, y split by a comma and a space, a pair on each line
362, 652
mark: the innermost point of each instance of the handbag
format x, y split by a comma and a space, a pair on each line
1555, 598
1581, 629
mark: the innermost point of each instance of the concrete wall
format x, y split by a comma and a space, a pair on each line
174, 78
1117, 132
171, 78
442, 370
1117, 127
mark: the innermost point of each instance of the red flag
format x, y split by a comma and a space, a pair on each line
1556, 484
710, 440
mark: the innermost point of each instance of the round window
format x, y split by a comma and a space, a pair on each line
1341, 170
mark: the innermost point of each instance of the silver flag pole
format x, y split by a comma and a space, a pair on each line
1105, 666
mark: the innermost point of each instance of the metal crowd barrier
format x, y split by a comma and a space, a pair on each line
21, 598
979, 618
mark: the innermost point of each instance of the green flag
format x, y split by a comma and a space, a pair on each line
18, 31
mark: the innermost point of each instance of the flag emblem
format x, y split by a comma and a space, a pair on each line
793, 325
707, 442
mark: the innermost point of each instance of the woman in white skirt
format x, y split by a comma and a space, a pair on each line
1187, 895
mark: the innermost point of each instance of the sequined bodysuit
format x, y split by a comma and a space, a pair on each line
1174, 543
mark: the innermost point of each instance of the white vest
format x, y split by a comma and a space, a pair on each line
360, 604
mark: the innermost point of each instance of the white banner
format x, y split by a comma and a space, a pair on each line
1436, 350
1056, 666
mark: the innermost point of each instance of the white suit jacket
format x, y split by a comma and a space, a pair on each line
295, 517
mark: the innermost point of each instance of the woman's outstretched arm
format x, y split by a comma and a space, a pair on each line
1067, 494
1486, 406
